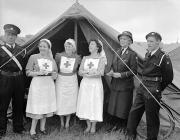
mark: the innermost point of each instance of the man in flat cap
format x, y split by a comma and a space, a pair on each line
11, 80
157, 73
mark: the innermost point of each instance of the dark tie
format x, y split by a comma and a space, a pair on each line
148, 55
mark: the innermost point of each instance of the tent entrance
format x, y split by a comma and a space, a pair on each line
72, 30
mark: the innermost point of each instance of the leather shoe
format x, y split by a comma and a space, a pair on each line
44, 132
34, 136
22, 132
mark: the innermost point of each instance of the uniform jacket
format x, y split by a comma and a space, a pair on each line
4, 57
158, 65
126, 81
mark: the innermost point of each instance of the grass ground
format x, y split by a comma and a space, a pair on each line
76, 132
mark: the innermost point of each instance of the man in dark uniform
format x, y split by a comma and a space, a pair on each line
122, 84
157, 73
11, 80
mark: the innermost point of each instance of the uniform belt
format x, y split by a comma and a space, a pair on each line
9, 73
155, 79
66, 74
49, 74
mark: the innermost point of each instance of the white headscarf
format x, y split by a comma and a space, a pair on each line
103, 54
50, 45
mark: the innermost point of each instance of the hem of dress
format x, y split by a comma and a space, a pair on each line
91, 120
64, 114
118, 116
39, 116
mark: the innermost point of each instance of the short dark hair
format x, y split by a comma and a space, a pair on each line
98, 45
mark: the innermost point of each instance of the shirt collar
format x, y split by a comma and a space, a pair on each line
10, 46
124, 49
156, 52
153, 52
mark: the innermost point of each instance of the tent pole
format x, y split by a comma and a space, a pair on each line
75, 39
75, 33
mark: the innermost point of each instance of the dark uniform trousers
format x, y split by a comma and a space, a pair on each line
145, 102
12, 87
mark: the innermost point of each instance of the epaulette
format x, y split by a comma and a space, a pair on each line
166, 54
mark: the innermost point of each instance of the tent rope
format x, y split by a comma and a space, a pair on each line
172, 118
6, 62
171, 93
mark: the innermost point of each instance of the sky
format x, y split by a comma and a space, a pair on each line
138, 16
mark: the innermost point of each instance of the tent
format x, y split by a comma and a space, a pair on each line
78, 23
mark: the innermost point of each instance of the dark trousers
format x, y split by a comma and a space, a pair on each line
11, 87
144, 102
